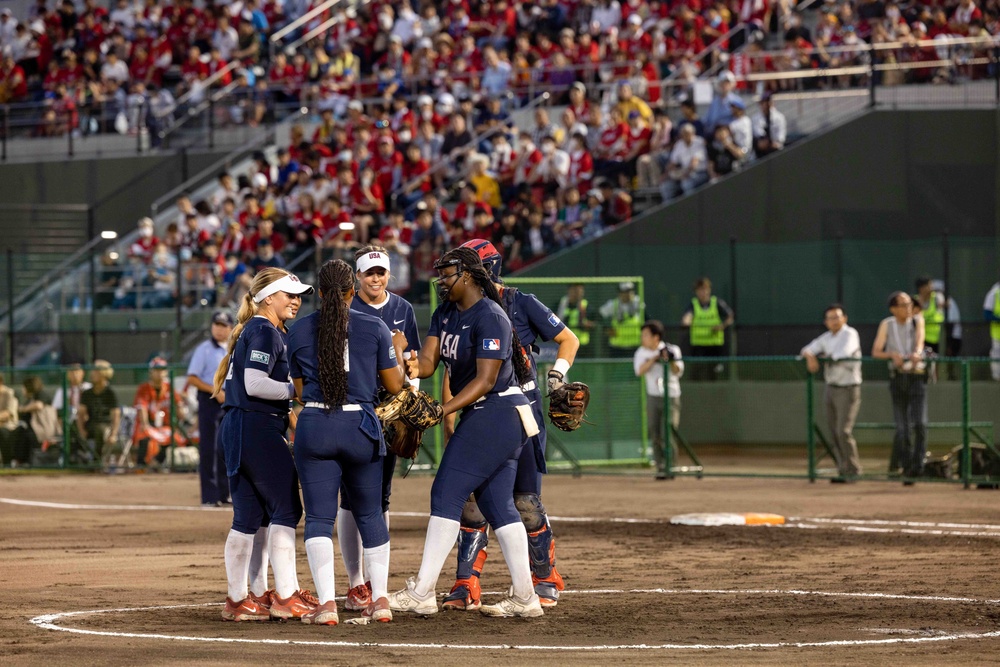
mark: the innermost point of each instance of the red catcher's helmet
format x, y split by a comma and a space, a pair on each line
491, 258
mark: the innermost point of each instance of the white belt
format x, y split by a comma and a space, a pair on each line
510, 391
528, 386
350, 407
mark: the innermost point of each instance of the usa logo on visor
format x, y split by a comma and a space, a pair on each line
491, 344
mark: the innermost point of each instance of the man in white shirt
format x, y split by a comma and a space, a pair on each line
841, 348
770, 128
688, 164
648, 364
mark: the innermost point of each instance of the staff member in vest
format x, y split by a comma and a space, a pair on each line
472, 334
624, 313
708, 317
261, 472
373, 298
647, 362
338, 356
201, 372
572, 310
932, 308
991, 312
839, 347
900, 338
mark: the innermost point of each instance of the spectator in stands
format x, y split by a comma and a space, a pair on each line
769, 127
552, 171
720, 108
265, 257
741, 128
143, 247
42, 425
724, 156
427, 245
539, 239
688, 166
99, 414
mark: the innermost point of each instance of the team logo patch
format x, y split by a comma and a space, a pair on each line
392, 353
554, 320
491, 344
260, 357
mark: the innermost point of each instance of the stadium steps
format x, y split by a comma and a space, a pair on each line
40, 240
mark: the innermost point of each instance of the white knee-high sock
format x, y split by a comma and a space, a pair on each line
513, 539
237, 556
377, 565
441, 537
258, 563
320, 553
281, 550
349, 540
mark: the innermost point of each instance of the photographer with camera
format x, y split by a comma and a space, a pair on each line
648, 363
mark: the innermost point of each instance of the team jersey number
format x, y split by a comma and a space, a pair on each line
449, 346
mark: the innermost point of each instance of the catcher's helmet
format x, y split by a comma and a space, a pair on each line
488, 253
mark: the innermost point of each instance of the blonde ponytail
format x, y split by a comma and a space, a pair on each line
247, 310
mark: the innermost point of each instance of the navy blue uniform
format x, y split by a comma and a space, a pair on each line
342, 445
211, 462
397, 313
532, 320
252, 433
481, 456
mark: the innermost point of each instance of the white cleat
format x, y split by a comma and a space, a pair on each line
408, 600
512, 606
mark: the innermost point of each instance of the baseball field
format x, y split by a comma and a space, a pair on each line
129, 570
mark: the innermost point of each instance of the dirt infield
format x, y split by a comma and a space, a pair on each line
878, 591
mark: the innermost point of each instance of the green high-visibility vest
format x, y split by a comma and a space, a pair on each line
933, 319
995, 326
627, 331
573, 318
703, 322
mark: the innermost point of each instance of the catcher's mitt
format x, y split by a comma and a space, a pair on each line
405, 416
568, 405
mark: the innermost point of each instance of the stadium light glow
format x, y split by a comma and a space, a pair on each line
109, 234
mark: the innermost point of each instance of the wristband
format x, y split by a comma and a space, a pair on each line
561, 365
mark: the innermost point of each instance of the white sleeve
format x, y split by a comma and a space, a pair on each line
814, 348
259, 385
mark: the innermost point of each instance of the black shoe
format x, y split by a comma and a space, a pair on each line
662, 475
909, 483
838, 480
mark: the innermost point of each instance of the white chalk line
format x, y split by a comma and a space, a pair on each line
48, 622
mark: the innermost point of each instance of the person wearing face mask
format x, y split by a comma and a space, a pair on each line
142, 248
553, 171
161, 279
526, 159
266, 257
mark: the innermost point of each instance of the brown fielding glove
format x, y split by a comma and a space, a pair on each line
405, 416
568, 405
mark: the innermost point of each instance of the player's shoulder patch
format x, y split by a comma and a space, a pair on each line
491, 344
260, 357
554, 320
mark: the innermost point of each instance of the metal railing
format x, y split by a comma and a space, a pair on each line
275, 40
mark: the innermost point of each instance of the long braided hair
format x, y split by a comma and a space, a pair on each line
247, 310
471, 262
336, 278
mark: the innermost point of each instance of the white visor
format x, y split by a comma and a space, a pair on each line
290, 284
372, 260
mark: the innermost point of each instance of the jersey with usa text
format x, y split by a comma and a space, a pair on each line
480, 332
397, 313
532, 320
369, 350
261, 346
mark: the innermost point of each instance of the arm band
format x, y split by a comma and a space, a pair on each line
561, 365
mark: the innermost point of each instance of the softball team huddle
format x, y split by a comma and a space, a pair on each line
333, 362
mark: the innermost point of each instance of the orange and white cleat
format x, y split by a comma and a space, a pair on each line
323, 614
359, 597
247, 609
265, 599
297, 605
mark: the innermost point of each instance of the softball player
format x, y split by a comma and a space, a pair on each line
372, 298
338, 356
472, 334
532, 320
252, 434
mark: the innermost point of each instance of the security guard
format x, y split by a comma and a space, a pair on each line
624, 313
932, 308
707, 318
572, 310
